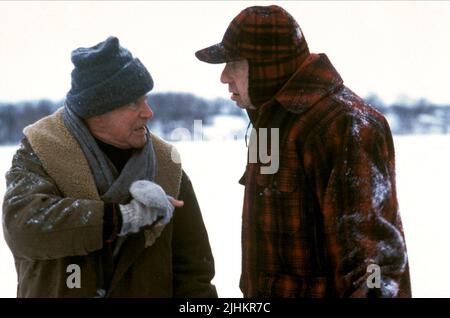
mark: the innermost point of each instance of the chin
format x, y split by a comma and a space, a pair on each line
239, 104
139, 143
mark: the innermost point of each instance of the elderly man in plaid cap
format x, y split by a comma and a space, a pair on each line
326, 223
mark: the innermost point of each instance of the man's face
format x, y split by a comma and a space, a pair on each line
235, 74
124, 127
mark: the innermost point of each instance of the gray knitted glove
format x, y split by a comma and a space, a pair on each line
134, 216
153, 196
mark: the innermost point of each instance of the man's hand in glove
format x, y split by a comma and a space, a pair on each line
149, 204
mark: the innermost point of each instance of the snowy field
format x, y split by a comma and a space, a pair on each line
423, 183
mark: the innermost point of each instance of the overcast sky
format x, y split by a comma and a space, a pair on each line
390, 48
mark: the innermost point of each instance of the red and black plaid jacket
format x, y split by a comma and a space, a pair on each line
314, 227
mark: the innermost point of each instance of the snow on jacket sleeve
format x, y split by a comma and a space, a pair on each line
352, 164
40, 224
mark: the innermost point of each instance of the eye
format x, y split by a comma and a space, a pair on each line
236, 65
137, 103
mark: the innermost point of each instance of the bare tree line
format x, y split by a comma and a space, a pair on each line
175, 110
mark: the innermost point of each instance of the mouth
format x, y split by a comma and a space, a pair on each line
140, 129
234, 96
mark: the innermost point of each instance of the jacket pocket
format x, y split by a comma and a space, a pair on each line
279, 285
280, 204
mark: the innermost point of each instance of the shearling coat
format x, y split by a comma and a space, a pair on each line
53, 217
328, 218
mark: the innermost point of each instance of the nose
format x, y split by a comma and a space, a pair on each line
146, 110
225, 76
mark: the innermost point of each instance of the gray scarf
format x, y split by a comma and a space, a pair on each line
112, 188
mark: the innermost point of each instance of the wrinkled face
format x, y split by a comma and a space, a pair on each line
123, 127
235, 74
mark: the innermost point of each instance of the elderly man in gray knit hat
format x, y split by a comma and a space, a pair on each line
90, 208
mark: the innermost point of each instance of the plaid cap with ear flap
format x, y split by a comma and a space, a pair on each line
257, 33
272, 42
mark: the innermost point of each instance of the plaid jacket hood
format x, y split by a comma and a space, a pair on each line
314, 79
314, 228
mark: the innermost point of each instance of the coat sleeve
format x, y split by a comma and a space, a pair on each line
352, 169
193, 262
38, 222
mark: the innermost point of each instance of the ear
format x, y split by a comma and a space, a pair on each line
94, 121
97, 125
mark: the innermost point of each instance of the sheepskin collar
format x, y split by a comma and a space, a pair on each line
64, 161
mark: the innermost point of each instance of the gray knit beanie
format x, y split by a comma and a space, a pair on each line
105, 77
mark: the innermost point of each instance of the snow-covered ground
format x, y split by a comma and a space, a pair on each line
215, 166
